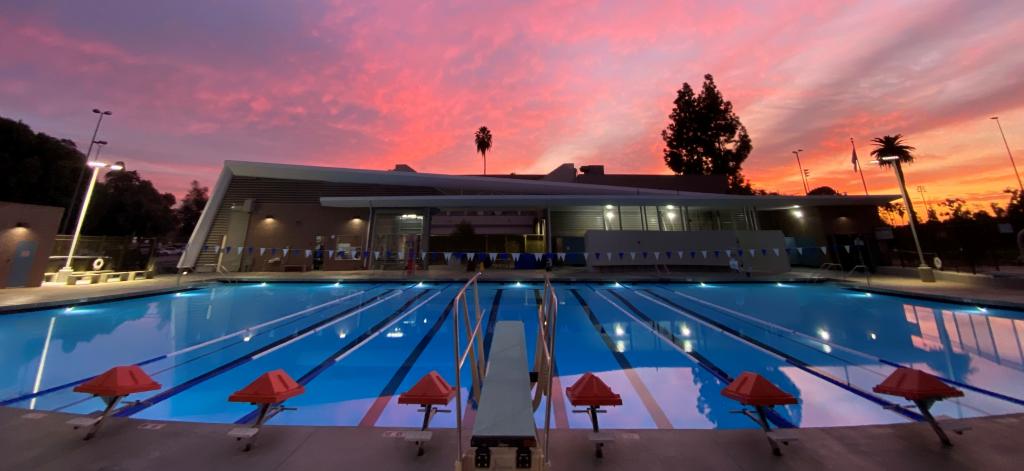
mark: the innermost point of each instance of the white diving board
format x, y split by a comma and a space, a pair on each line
504, 425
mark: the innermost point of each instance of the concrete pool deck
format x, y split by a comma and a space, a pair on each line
42, 441
53, 294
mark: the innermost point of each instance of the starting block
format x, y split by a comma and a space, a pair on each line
429, 392
924, 390
591, 392
112, 386
267, 393
751, 389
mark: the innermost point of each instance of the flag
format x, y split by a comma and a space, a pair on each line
853, 157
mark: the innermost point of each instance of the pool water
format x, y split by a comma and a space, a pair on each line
668, 349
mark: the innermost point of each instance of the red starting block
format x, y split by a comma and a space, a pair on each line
267, 393
924, 390
752, 389
430, 391
112, 386
591, 392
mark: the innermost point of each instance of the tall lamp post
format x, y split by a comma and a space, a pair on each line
81, 175
803, 176
63, 273
1014, 164
924, 271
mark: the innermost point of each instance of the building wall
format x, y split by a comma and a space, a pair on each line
296, 226
26, 240
698, 249
280, 191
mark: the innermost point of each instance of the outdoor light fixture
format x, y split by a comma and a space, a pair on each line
669, 206
608, 206
63, 273
797, 213
21, 225
609, 215
269, 217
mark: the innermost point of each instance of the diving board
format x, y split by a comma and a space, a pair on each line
504, 433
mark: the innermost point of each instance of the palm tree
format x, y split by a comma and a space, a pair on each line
892, 146
483, 143
891, 151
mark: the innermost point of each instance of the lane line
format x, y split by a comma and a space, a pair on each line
52, 389
653, 409
177, 389
321, 327
772, 351
853, 351
270, 322
492, 318
698, 358
352, 345
377, 408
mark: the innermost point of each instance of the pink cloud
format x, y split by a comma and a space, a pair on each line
371, 84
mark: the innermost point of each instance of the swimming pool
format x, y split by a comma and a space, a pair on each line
668, 349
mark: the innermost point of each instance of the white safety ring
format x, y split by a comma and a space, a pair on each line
98, 264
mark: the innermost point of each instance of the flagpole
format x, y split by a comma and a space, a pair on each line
860, 168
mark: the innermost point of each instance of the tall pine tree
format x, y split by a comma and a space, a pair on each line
705, 137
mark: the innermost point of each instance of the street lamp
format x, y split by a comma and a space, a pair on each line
63, 273
924, 271
803, 176
81, 174
1015, 172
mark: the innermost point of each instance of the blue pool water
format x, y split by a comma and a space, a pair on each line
668, 349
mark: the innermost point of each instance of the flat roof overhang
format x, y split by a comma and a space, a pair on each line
706, 200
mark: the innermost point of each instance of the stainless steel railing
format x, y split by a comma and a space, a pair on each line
544, 357
473, 350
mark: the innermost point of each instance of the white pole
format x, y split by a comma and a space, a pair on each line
64, 272
924, 271
1007, 144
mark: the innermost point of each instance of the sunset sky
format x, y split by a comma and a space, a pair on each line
369, 84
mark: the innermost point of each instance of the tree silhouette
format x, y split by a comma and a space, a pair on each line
892, 146
191, 208
483, 140
823, 190
705, 137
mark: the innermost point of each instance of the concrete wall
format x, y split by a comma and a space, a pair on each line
26, 239
295, 226
614, 242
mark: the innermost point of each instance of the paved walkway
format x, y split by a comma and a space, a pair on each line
54, 294
45, 442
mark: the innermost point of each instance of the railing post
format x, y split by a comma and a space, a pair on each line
458, 384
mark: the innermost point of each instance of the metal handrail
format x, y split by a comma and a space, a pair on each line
473, 351
547, 319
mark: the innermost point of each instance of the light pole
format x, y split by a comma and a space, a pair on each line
81, 175
63, 273
924, 271
803, 177
1014, 164
927, 207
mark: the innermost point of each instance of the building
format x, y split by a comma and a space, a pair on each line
275, 217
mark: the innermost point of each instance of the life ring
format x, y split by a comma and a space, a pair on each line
98, 264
